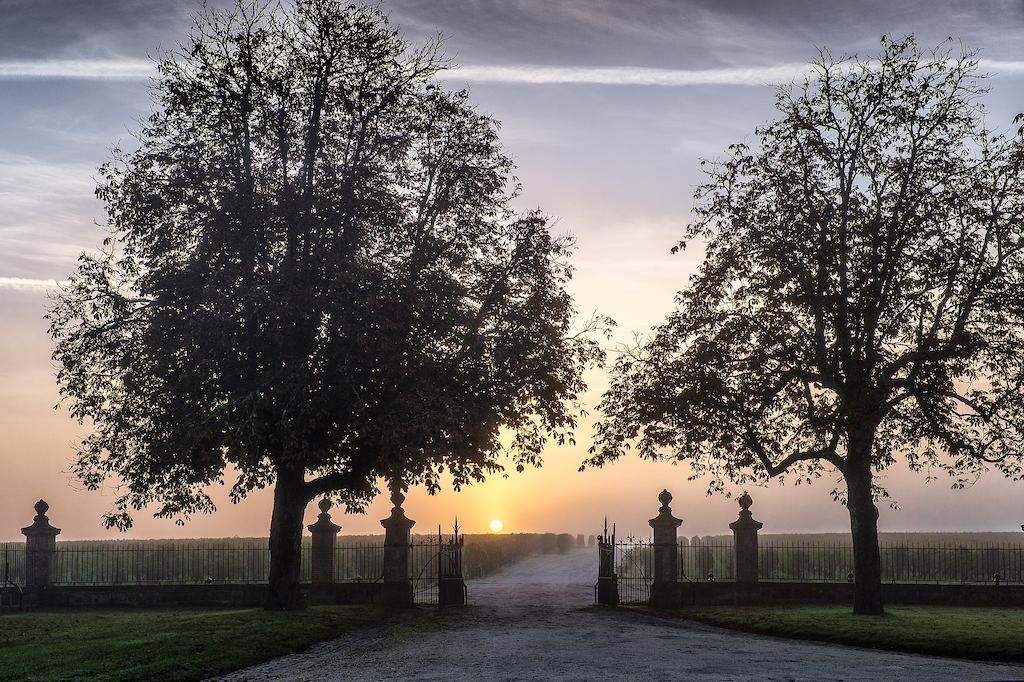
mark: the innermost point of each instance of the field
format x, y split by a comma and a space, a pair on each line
978, 633
189, 644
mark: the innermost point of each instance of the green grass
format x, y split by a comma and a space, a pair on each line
163, 644
980, 633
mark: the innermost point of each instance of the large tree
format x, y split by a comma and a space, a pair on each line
313, 279
860, 300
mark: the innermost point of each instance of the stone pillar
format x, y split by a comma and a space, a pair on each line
665, 590
607, 581
325, 534
744, 531
40, 548
397, 550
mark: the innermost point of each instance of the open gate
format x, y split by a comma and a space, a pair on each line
437, 569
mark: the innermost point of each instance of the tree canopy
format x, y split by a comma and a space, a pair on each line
314, 272
860, 299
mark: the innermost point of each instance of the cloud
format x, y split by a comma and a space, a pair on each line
625, 75
77, 69
1001, 67
47, 217
140, 69
26, 284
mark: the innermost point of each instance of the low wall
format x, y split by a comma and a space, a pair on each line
104, 596
768, 593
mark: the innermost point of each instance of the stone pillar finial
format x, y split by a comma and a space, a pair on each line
325, 536
664, 524
397, 551
40, 547
744, 530
397, 498
665, 590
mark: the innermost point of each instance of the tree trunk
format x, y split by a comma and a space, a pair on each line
286, 541
867, 561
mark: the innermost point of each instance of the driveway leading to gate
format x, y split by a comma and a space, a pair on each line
531, 621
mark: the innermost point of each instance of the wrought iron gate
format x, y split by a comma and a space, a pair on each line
436, 569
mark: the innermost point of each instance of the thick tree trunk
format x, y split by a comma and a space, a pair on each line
867, 561
286, 541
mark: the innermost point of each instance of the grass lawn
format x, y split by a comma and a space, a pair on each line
981, 633
162, 644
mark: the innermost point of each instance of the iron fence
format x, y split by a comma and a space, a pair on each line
634, 569
12, 564
12, 574
780, 561
705, 561
424, 567
175, 564
359, 563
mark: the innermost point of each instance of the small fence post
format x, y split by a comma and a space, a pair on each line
744, 531
607, 581
40, 548
397, 551
665, 590
322, 554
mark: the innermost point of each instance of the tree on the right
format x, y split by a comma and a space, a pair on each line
860, 300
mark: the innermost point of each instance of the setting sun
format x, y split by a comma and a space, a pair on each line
496, 525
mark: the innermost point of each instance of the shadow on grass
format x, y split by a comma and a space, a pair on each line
989, 634
164, 644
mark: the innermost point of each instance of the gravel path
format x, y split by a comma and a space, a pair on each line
532, 622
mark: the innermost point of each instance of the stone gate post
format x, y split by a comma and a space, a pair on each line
744, 531
665, 590
397, 550
322, 554
40, 549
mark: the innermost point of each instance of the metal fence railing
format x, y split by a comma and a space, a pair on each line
948, 564
174, 564
704, 561
424, 567
780, 560
634, 568
12, 564
359, 563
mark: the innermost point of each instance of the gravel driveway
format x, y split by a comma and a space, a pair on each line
531, 621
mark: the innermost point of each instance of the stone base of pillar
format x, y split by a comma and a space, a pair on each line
30, 598
451, 592
322, 594
608, 591
665, 595
397, 595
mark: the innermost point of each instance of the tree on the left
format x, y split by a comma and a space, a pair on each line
313, 280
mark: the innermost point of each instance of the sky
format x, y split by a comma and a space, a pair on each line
607, 108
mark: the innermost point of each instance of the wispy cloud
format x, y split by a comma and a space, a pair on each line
624, 75
1002, 67
140, 69
25, 284
77, 69
627, 75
